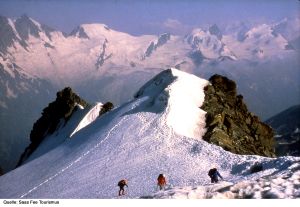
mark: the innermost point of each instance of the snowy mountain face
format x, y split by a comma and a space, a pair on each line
208, 46
141, 139
287, 127
107, 65
260, 42
21, 96
214, 30
92, 50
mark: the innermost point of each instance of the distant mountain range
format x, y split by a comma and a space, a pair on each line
106, 65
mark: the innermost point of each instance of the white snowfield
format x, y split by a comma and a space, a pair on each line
141, 139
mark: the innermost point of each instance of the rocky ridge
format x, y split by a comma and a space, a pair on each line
55, 117
230, 124
55, 113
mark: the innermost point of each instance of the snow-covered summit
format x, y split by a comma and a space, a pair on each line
138, 141
215, 30
209, 44
182, 95
260, 42
93, 30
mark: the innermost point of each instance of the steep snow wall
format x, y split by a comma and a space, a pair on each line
182, 95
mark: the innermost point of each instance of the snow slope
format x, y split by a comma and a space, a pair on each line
137, 141
80, 118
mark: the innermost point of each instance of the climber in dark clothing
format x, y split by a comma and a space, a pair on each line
161, 181
122, 184
214, 174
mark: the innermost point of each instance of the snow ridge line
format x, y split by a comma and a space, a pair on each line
75, 161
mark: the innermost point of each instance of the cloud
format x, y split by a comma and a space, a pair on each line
176, 27
172, 24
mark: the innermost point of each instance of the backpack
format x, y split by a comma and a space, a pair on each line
161, 179
122, 183
211, 172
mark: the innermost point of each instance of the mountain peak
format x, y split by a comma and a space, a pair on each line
7, 34
214, 30
60, 109
25, 26
208, 46
79, 32
93, 30
168, 91
24, 17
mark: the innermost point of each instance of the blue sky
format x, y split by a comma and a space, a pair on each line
149, 17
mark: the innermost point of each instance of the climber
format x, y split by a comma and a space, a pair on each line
161, 181
214, 174
122, 184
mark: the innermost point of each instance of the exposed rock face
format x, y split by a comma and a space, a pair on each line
230, 124
26, 27
59, 110
162, 39
106, 107
214, 30
79, 32
103, 56
7, 35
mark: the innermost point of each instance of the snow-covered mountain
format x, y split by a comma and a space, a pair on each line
287, 127
108, 65
159, 131
22, 96
260, 42
208, 46
92, 50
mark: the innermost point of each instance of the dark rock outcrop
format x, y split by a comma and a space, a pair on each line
47, 30
257, 167
7, 35
214, 30
162, 39
103, 56
230, 124
287, 128
80, 33
106, 107
25, 27
61, 109
150, 49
